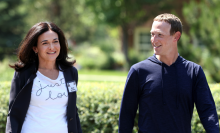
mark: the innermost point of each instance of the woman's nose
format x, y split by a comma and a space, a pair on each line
51, 46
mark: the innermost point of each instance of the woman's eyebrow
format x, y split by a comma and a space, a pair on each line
47, 40
43, 41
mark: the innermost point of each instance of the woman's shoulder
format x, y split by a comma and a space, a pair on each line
68, 68
26, 71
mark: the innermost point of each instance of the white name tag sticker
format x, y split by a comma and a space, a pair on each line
72, 86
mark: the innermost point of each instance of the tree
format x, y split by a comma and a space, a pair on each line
204, 40
69, 15
11, 25
127, 13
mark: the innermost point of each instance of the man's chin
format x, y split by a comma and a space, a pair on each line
156, 53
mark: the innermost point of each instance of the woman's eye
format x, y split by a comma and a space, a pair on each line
56, 41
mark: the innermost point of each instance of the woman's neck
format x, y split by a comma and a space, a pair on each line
47, 66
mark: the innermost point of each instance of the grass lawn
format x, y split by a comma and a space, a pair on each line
95, 75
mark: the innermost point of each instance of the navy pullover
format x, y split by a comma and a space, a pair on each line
166, 96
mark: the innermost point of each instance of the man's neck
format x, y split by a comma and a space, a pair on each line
168, 60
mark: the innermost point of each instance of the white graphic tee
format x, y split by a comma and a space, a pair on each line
47, 109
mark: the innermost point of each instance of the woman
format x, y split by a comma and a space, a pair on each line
43, 89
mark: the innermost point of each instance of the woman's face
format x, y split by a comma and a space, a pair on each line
48, 47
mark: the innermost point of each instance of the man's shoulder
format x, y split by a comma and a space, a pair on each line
190, 66
142, 64
190, 63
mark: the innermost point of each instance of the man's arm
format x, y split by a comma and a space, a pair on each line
205, 104
129, 103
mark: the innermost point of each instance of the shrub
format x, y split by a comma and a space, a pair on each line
99, 105
5, 71
93, 58
4, 98
196, 124
102, 55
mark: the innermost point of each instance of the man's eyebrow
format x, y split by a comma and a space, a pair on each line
158, 32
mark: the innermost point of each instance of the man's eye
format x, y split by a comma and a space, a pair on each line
44, 43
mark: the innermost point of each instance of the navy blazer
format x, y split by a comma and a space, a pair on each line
20, 95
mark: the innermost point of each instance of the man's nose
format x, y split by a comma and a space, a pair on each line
154, 39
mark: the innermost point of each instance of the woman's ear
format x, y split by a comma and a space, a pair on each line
35, 49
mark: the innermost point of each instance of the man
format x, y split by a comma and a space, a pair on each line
166, 86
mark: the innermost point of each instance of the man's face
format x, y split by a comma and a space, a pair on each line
161, 40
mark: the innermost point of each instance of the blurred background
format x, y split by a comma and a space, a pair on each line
106, 37
114, 34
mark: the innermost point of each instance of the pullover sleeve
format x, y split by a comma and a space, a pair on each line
205, 104
129, 103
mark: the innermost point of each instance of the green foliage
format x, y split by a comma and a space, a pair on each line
135, 57
196, 123
5, 71
77, 22
99, 105
70, 15
99, 55
4, 98
93, 58
204, 42
120, 12
11, 25
126, 14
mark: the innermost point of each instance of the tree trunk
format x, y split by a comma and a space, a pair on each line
125, 43
55, 9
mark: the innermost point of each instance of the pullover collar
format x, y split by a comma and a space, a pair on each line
175, 64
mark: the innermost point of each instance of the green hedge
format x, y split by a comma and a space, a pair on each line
99, 105
4, 97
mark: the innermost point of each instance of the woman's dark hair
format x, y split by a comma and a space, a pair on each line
27, 56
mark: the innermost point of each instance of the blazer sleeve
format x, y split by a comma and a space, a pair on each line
78, 122
15, 88
205, 104
129, 103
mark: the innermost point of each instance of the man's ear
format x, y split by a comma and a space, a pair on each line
177, 36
